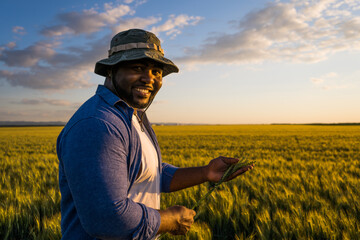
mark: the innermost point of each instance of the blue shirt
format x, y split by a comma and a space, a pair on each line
99, 155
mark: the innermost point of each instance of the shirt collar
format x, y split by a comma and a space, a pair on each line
107, 95
110, 97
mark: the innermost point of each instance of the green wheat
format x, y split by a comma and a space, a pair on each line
231, 169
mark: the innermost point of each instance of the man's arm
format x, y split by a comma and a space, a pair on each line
188, 177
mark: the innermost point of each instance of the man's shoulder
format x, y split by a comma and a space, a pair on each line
97, 111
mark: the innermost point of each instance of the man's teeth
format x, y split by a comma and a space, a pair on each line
142, 90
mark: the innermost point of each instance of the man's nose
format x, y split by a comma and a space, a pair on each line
148, 76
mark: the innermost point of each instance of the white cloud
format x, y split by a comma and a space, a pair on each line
140, 2
323, 78
351, 28
295, 31
58, 30
29, 56
39, 66
315, 8
135, 22
113, 14
173, 25
88, 21
329, 81
18, 30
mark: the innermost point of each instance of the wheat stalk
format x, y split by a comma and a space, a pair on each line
232, 169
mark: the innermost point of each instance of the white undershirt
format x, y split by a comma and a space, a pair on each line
146, 188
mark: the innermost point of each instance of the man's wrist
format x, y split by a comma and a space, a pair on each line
166, 221
205, 173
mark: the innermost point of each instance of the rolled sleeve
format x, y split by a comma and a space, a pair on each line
168, 171
94, 159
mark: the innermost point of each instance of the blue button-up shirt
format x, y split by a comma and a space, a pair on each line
99, 155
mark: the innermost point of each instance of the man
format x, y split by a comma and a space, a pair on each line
110, 167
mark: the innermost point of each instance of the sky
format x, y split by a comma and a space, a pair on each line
241, 62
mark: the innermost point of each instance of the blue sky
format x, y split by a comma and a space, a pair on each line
240, 61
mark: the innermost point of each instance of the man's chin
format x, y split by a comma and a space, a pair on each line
141, 105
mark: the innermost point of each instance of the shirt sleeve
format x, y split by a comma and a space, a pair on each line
168, 171
93, 154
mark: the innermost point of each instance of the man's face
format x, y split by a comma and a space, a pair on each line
138, 81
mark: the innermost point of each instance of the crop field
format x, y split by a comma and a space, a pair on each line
305, 185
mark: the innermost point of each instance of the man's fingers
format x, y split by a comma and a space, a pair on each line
187, 222
229, 160
241, 171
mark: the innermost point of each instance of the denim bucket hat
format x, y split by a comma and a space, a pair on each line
134, 44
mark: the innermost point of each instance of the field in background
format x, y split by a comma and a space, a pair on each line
305, 184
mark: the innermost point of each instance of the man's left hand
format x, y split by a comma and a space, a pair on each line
217, 167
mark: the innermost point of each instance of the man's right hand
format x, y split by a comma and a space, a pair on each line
176, 220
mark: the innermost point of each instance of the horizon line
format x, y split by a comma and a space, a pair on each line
63, 123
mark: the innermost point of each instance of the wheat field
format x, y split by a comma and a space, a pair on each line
305, 184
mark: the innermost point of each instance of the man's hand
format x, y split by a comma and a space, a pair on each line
217, 167
188, 177
176, 220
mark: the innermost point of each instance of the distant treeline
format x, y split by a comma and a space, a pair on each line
319, 124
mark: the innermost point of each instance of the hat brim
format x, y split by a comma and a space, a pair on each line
102, 66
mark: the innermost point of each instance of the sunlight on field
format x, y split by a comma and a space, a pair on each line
305, 184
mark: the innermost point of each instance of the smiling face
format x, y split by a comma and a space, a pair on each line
137, 82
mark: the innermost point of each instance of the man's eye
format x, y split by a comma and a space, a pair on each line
157, 72
137, 68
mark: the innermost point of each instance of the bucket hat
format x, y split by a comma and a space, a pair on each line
134, 44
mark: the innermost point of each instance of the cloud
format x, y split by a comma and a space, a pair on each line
173, 25
88, 21
57, 30
12, 115
329, 81
39, 66
351, 28
18, 30
323, 78
52, 102
47, 78
29, 56
30, 101
135, 22
11, 45
295, 31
